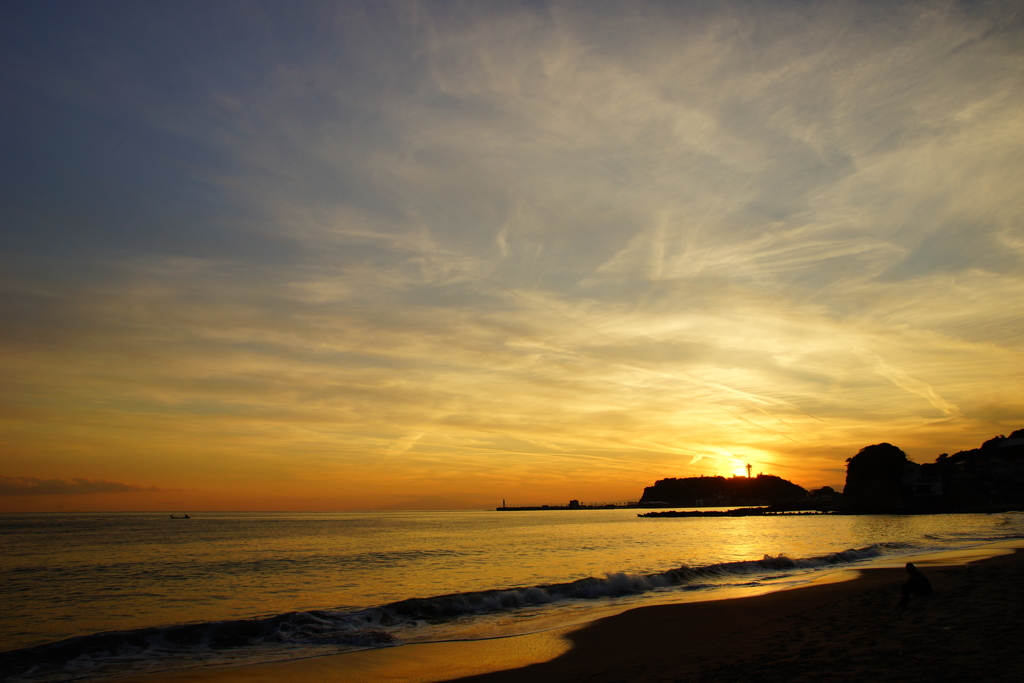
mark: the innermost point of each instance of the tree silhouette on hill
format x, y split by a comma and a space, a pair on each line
764, 489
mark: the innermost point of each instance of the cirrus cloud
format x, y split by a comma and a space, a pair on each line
33, 486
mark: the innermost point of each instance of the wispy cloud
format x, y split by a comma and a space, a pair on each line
31, 486
410, 242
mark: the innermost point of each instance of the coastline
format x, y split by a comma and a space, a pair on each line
827, 631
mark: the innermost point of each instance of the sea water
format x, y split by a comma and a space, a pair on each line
93, 595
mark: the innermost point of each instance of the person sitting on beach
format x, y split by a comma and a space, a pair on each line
917, 584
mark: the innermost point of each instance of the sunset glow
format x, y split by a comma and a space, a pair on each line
303, 256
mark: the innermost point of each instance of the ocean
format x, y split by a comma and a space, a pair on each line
94, 595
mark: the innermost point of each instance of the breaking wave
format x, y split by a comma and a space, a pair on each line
614, 585
297, 634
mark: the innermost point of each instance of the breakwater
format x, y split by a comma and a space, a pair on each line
738, 512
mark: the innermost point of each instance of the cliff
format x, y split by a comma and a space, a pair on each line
874, 480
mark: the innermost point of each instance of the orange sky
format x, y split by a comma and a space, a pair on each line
410, 255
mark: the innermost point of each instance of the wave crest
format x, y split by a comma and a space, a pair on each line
373, 628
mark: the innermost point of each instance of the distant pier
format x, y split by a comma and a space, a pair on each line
657, 509
573, 505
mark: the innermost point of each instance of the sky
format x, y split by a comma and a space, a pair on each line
360, 255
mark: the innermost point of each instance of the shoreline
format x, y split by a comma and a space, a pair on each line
829, 630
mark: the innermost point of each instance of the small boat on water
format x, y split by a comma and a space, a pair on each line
184, 517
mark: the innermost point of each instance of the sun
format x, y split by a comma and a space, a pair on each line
741, 469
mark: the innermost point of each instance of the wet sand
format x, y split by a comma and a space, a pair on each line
831, 631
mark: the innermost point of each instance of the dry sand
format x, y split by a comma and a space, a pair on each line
969, 630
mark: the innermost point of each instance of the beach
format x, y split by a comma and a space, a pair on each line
837, 630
